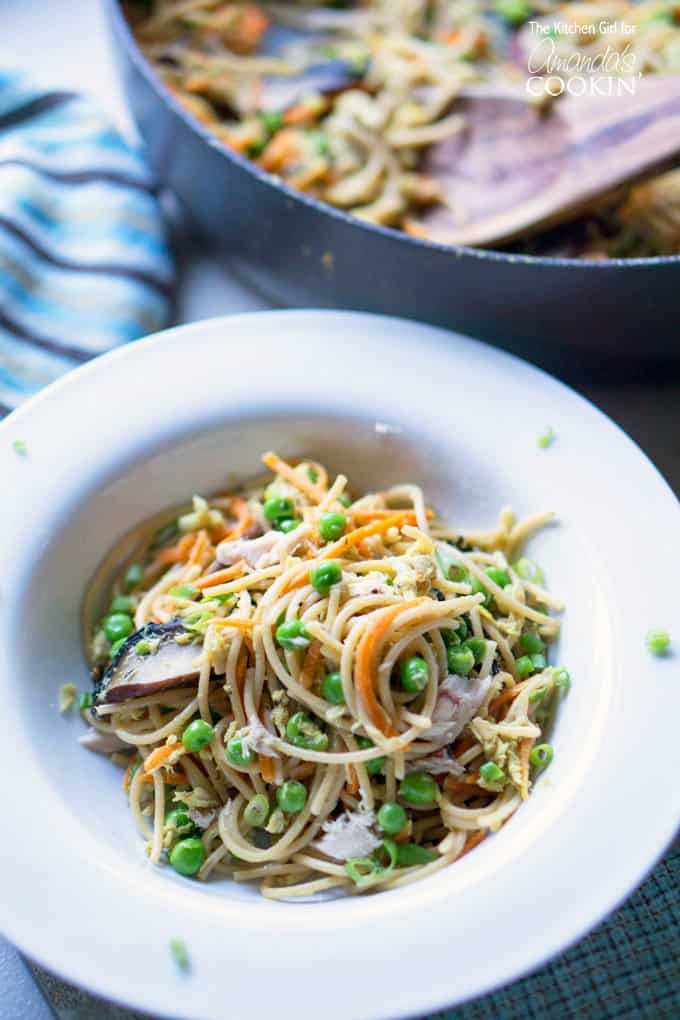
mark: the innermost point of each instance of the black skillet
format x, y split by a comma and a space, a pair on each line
299, 251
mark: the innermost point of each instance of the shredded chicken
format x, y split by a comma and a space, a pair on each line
458, 699
203, 818
436, 765
373, 583
270, 548
260, 738
348, 836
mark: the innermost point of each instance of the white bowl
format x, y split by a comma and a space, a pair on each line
142, 428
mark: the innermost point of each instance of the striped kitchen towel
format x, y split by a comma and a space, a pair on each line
84, 258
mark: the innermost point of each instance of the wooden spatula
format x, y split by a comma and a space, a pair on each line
513, 170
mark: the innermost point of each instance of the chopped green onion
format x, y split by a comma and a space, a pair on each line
528, 570
302, 731
479, 589
359, 869
448, 560
658, 642
410, 855
498, 576
85, 701
313, 475
562, 679
490, 772
531, 642
185, 591
538, 694
542, 755
539, 661
116, 647
179, 954
143, 647
525, 665
20, 447
546, 437
345, 499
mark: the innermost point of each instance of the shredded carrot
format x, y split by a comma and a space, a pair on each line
365, 666
169, 778
352, 784
303, 771
242, 517
310, 666
335, 549
176, 553
472, 841
158, 756
230, 621
448, 35
296, 478
463, 744
220, 576
199, 547
503, 698
281, 151
299, 114
465, 786
407, 516
267, 768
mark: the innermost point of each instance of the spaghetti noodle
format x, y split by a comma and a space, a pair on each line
319, 692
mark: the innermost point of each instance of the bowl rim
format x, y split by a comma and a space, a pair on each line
125, 36
377, 911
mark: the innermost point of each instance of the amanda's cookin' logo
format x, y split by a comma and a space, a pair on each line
555, 69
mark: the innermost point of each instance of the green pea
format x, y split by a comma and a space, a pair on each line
117, 626
187, 856
271, 121
257, 810
531, 642
292, 796
286, 524
133, 575
525, 666
292, 634
302, 731
198, 735
528, 570
460, 661
178, 818
375, 765
332, 525
542, 755
121, 604
418, 788
490, 772
331, 689
279, 508
513, 11
325, 576
479, 589
238, 755
414, 674
392, 818
477, 646
185, 591
498, 576
410, 855
658, 641
345, 499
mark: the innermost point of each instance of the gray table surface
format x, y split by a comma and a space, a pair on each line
48, 34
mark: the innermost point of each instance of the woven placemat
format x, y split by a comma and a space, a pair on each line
628, 969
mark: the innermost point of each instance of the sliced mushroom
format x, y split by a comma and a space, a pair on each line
167, 663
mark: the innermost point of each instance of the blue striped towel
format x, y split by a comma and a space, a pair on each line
84, 258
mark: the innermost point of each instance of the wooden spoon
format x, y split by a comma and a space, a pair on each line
514, 170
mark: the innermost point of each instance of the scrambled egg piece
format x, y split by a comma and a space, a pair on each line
414, 575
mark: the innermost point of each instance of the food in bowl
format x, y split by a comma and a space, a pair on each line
347, 109
317, 690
